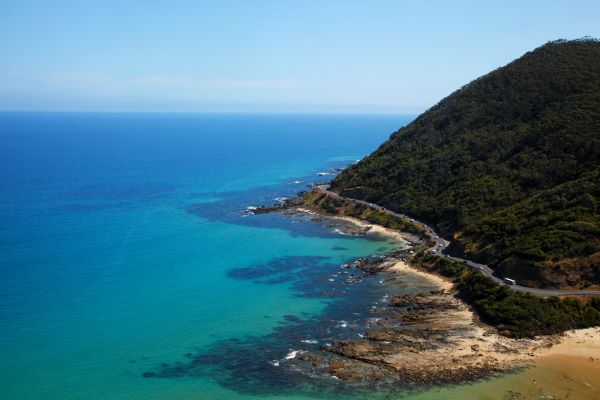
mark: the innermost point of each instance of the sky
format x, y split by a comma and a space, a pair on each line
266, 56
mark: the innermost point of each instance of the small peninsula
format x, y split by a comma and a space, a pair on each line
497, 190
438, 335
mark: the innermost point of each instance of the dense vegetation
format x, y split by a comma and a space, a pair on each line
556, 230
508, 165
513, 313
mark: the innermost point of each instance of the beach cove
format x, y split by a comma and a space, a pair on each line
132, 268
557, 366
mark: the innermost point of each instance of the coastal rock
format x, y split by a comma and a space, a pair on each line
314, 359
352, 371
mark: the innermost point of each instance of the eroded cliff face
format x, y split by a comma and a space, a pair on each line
553, 277
583, 272
558, 273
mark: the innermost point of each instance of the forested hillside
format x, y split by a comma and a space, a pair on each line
508, 166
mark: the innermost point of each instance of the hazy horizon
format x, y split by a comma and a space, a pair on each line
340, 57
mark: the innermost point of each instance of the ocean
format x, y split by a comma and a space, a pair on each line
130, 269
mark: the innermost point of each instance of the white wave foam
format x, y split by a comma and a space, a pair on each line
292, 354
343, 324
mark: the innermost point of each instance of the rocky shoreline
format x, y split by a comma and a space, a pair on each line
389, 326
429, 338
423, 339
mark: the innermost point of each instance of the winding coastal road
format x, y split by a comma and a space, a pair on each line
441, 244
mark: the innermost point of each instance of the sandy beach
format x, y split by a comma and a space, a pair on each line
366, 227
405, 268
584, 343
558, 366
577, 343
372, 229
446, 343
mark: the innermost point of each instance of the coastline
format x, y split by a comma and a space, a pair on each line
364, 227
583, 344
470, 350
405, 268
374, 229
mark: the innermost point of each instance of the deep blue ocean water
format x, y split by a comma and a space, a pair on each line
129, 271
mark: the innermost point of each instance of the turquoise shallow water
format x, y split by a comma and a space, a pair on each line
118, 232
128, 271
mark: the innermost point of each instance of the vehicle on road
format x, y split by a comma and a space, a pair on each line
509, 281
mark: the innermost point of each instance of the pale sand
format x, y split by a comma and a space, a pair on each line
368, 228
401, 266
583, 344
373, 229
307, 211
555, 374
579, 343
479, 343
551, 378
568, 364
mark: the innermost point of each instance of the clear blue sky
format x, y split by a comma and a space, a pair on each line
326, 56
